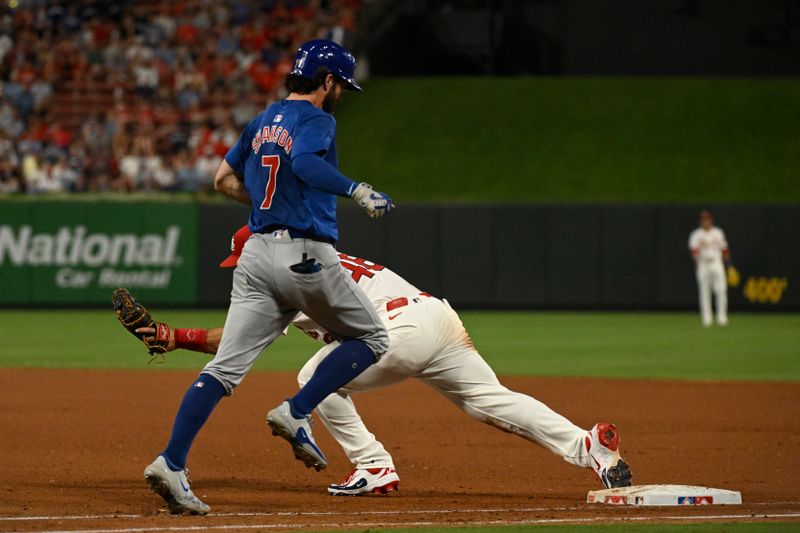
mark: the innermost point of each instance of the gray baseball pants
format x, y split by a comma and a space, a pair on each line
267, 294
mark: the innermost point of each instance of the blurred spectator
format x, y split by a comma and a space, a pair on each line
21, 98
190, 85
121, 142
94, 135
10, 181
9, 161
146, 74
131, 171
8, 152
113, 53
59, 136
156, 176
64, 175
42, 91
187, 177
242, 112
206, 165
10, 122
103, 174
28, 143
40, 178
6, 44
137, 51
223, 137
165, 23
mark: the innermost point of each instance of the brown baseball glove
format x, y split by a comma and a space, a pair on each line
133, 315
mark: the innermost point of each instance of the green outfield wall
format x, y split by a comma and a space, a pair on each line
61, 253
542, 256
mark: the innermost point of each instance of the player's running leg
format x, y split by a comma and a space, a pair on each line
308, 277
333, 300
704, 292
254, 320
721, 294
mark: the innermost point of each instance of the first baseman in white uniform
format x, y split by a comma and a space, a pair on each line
428, 341
709, 249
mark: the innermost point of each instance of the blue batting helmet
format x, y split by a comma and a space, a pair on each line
323, 53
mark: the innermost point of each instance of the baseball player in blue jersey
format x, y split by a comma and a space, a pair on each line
285, 166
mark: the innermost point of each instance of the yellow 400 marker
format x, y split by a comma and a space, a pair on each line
764, 290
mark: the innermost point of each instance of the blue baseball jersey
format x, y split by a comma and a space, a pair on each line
263, 156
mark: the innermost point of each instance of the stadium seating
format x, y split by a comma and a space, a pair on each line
144, 95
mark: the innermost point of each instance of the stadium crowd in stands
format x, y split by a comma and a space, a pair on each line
142, 94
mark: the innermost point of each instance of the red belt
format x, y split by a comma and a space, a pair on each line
402, 301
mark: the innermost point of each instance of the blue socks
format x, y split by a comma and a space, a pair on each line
198, 403
341, 367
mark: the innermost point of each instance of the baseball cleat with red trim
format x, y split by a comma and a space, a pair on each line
366, 481
602, 445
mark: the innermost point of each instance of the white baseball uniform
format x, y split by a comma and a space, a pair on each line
707, 247
428, 341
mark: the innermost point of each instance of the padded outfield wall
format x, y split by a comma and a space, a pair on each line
554, 256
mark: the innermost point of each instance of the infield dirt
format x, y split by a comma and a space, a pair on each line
74, 445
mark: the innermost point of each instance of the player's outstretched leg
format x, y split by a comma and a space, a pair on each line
602, 445
173, 487
297, 431
466, 379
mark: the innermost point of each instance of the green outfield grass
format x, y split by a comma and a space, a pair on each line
623, 345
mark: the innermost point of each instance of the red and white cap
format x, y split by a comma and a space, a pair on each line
237, 243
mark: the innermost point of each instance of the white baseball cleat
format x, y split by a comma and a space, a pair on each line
365, 481
602, 445
298, 432
174, 488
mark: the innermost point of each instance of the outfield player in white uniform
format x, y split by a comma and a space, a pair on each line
709, 249
427, 342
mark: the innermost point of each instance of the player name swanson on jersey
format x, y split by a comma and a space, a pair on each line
264, 155
708, 244
379, 283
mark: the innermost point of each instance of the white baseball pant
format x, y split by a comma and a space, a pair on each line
429, 342
711, 277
